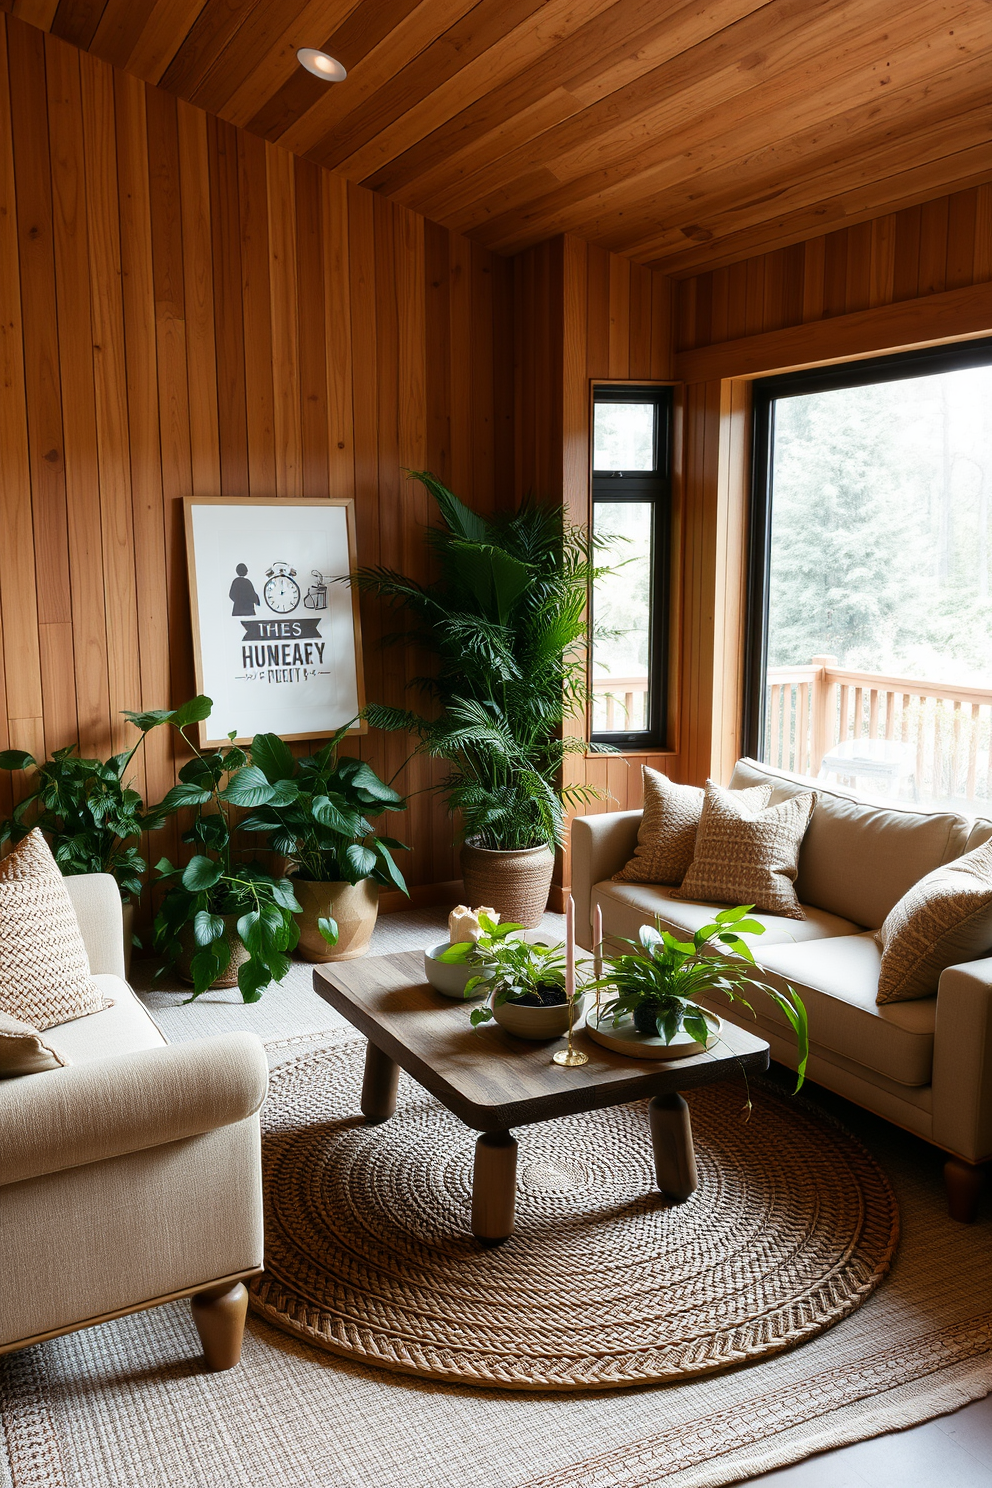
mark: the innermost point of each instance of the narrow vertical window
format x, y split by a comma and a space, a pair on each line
631, 519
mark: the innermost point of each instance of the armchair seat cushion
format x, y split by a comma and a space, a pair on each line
628, 906
124, 1028
837, 980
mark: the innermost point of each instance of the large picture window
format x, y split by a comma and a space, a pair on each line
631, 521
871, 581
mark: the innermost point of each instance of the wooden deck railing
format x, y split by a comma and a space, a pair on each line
940, 733
619, 703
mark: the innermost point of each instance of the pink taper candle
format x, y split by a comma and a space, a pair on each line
570, 948
597, 940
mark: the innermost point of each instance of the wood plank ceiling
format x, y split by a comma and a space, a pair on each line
679, 134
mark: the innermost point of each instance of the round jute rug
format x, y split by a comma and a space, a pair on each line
370, 1254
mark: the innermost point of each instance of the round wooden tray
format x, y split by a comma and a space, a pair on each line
625, 1038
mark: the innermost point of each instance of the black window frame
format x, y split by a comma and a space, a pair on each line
652, 487
900, 366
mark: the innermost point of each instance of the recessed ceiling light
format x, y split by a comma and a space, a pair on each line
321, 65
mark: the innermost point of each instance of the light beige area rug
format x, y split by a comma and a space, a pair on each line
127, 1405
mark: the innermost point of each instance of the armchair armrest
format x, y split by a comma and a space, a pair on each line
126, 1102
601, 845
97, 901
962, 1061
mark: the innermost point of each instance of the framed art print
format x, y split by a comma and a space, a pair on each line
276, 639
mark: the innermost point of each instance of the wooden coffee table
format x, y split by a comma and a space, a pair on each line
493, 1081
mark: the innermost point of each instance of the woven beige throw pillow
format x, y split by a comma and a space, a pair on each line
44, 969
942, 920
748, 852
23, 1051
666, 837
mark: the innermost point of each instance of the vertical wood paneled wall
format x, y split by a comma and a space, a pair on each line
185, 309
926, 261
582, 315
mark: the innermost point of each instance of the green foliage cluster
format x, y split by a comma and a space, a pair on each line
512, 969
92, 816
506, 623
663, 976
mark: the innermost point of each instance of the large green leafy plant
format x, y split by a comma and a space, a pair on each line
214, 884
659, 982
317, 816
506, 622
89, 813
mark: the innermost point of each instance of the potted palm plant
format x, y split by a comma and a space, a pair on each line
506, 623
656, 986
523, 980
90, 815
318, 821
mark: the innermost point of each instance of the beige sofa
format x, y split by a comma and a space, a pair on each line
925, 1065
132, 1176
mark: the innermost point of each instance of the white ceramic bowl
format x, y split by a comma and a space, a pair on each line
449, 978
538, 1022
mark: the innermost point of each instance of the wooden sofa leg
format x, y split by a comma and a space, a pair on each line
219, 1315
964, 1182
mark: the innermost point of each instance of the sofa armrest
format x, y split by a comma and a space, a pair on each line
601, 845
96, 900
962, 1061
127, 1102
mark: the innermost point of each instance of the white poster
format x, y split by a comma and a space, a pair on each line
277, 641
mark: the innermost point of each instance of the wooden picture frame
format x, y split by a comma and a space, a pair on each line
295, 667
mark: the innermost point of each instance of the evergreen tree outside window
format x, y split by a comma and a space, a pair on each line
631, 519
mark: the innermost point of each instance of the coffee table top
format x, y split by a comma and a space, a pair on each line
490, 1079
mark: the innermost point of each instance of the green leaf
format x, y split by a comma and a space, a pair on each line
457, 954
282, 893
273, 757
329, 813
386, 859
16, 759
195, 711
207, 927
184, 795
253, 978
200, 873
248, 787
328, 929
731, 916
495, 578
361, 860
150, 719
480, 1015
459, 517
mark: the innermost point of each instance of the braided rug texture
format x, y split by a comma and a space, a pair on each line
603, 1284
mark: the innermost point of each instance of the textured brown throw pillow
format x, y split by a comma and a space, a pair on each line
666, 837
748, 853
23, 1051
44, 970
944, 919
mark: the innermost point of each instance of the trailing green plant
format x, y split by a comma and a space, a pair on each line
512, 969
659, 982
88, 812
318, 816
214, 884
506, 622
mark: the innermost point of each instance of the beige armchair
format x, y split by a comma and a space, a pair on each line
132, 1176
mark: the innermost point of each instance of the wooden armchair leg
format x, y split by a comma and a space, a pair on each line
964, 1182
219, 1315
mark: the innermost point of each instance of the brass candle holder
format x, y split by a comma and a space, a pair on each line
570, 1056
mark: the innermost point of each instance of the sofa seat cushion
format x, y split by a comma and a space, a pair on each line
837, 980
860, 857
122, 1029
626, 907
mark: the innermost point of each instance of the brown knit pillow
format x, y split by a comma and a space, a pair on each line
748, 853
44, 970
944, 919
23, 1051
666, 837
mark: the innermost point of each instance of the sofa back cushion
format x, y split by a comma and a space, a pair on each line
859, 857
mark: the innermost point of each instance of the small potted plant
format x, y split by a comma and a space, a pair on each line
222, 922
90, 815
524, 981
657, 984
317, 818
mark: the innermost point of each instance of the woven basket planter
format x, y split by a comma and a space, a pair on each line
353, 906
239, 955
515, 883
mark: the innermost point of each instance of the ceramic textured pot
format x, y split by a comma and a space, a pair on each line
353, 906
515, 882
189, 948
449, 979
538, 1022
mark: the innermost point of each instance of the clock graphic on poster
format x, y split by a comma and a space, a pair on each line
282, 592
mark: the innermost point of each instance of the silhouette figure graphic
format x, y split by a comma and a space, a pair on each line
243, 593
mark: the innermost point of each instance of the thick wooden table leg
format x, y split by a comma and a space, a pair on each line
964, 1182
671, 1137
494, 1187
219, 1315
379, 1086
